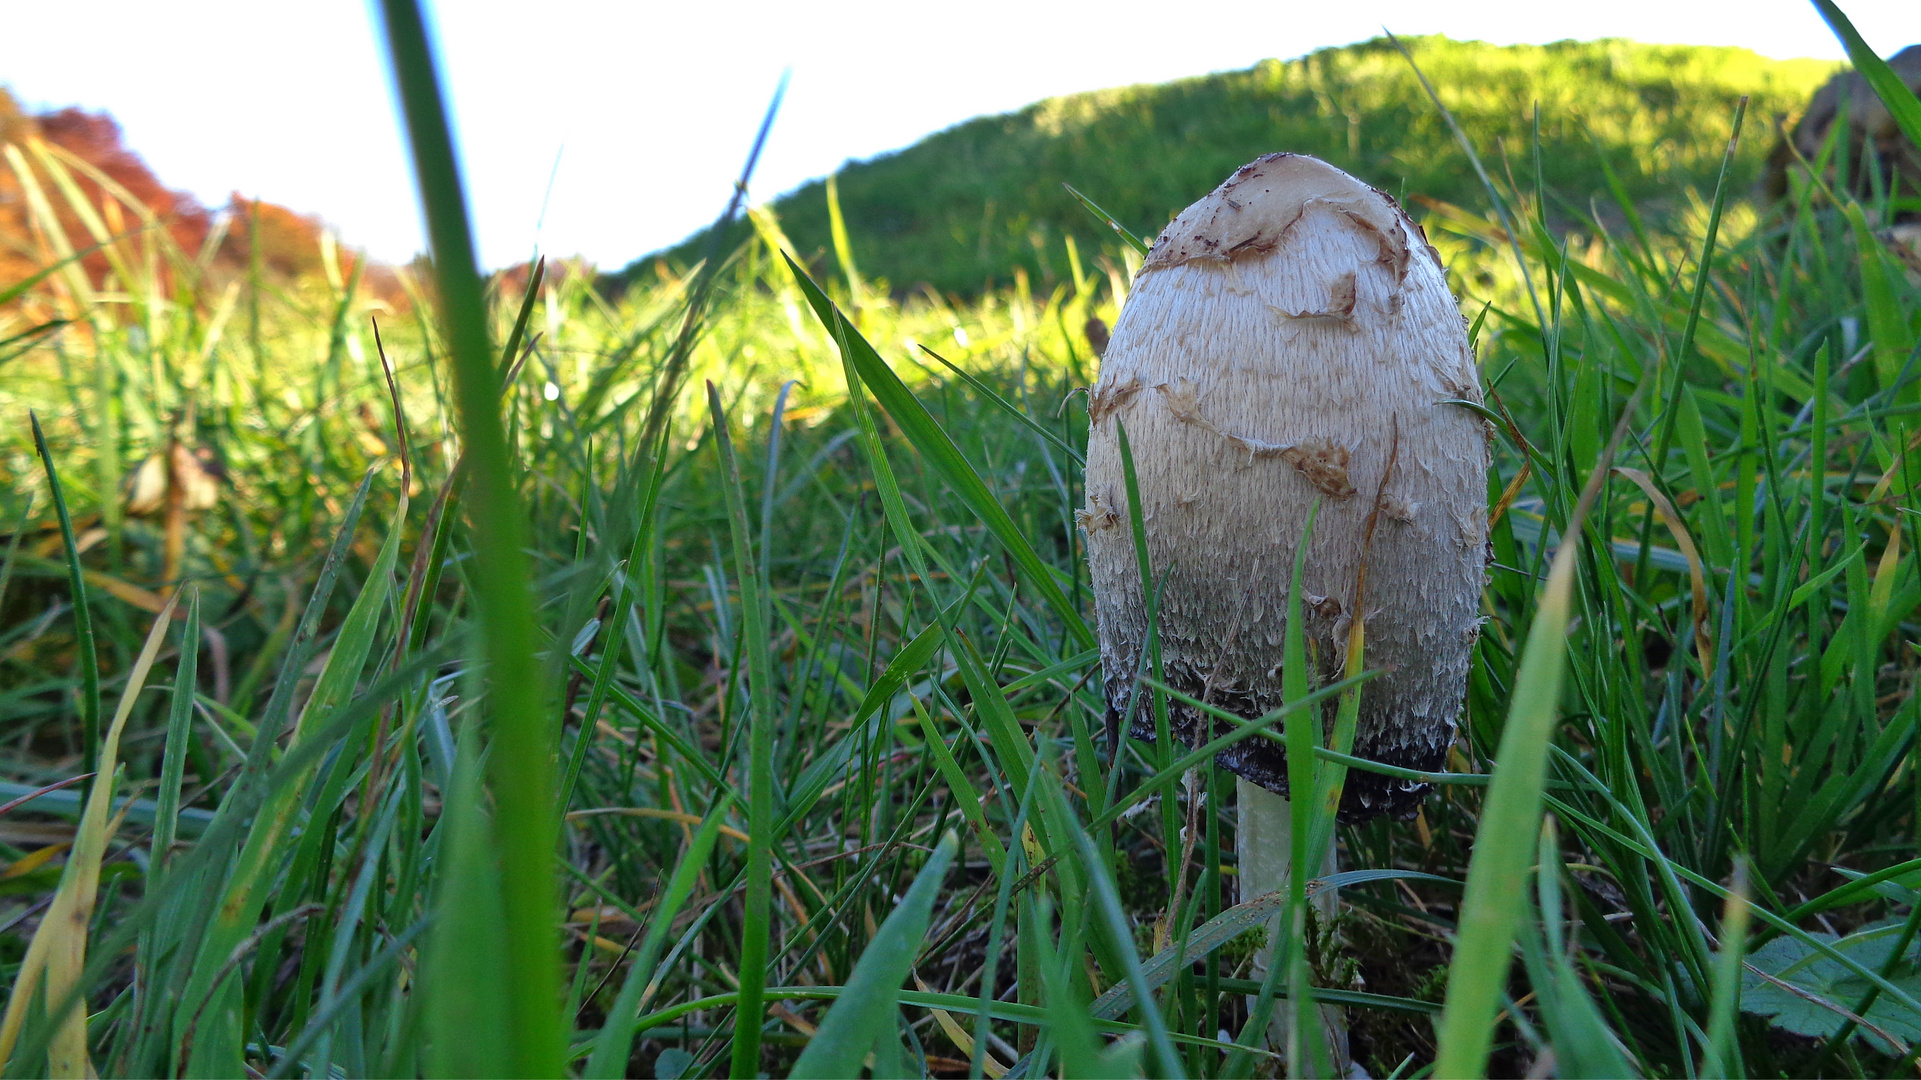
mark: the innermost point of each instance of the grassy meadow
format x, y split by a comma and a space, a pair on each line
697, 678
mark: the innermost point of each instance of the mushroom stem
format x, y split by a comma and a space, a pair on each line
1261, 839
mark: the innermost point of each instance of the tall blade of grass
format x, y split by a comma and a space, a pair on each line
762, 718
423, 580
1120, 230
1331, 779
667, 385
843, 248
1069, 1024
1013, 411
85, 658
1583, 1046
965, 794
293, 664
616, 1038
521, 757
179, 730
1495, 899
510, 352
1306, 1051
348, 917
1722, 1053
1887, 322
645, 532
1107, 907
1888, 86
1703, 277
1259, 813
1152, 660
59, 946
167, 813
1510, 233
868, 1008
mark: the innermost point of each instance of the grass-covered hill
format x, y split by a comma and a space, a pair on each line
968, 205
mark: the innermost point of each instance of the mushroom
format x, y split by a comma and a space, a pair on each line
1290, 338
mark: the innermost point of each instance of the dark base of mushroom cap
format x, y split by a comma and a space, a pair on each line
1366, 795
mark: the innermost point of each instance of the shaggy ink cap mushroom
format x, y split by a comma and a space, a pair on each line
1287, 337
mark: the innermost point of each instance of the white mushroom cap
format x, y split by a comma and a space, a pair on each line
1284, 334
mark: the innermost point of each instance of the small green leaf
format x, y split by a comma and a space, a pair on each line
1819, 990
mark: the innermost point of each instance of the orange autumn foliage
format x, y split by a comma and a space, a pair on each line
289, 242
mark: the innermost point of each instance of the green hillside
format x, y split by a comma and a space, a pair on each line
967, 205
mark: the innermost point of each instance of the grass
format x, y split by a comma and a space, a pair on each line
533, 715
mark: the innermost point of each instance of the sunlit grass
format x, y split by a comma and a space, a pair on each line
825, 709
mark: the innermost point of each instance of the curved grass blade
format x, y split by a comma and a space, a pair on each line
469, 1029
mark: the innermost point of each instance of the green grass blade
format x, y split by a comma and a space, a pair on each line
616, 1037
1893, 92
1164, 747
85, 660
1119, 230
1013, 411
965, 794
470, 1028
1496, 897
179, 729
1306, 1051
1723, 1050
511, 351
521, 759
869, 1005
762, 719
1703, 276
1107, 906
940, 452
1583, 1045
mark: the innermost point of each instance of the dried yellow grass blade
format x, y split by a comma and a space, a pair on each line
1697, 576
679, 816
32, 861
961, 1039
47, 227
59, 947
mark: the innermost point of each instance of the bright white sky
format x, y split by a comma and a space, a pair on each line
649, 108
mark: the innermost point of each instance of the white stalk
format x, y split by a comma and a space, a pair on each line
1262, 842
